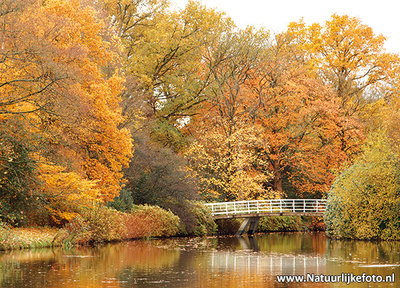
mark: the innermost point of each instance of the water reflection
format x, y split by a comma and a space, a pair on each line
275, 264
201, 262
249, 244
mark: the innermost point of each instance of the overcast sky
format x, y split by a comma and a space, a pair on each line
383, 16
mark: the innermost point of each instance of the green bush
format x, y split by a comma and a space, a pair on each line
123, 202
281, 223
364, 202
205, 224
18, 180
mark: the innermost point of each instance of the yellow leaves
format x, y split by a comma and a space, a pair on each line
69, 185
112, 146
66, 191
347, 53
79, 27
364, 199
52, 76
165, 51
60, 216
224, 164
104, 148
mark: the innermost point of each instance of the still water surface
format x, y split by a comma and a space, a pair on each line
202, 262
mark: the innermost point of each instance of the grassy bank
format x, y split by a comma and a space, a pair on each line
20, 238
103, 224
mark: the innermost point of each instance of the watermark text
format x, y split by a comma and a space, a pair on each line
347, 278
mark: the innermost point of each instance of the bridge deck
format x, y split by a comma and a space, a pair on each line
275, 207
252, 215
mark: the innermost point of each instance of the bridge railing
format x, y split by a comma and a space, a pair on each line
268, 206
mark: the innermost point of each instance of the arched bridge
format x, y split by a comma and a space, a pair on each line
253, 210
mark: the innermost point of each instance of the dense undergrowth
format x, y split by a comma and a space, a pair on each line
104, 224
364, 201
26, 237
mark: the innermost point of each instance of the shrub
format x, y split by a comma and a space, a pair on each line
151, 221
6, 237
103, 224
281, 223
185, 210
205, 224
317, 224
95, 225
123, 202
364, 202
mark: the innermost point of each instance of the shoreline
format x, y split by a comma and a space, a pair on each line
44, 234
79, 235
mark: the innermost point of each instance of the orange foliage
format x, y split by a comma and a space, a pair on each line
272, 122
56, 85
65, 191
301, 122
103, 147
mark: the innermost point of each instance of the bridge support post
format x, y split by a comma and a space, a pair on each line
251, 224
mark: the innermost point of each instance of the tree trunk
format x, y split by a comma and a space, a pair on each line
277, 181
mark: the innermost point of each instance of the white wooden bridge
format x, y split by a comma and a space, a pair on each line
253, 210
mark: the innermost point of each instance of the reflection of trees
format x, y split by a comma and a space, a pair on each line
15, 274
17, 266
91, 267
364, 251
42, 254
196, 262
350, 256
293, 243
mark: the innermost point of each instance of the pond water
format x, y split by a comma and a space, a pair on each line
203, 262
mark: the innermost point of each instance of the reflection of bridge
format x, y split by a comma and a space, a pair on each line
264, 263
252, 210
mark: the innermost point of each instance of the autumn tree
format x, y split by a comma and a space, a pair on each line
174, 64
298, 117
223, 154
163, 52
52, 82
25, 87
170, 55
351, 59
167, 81
269, 119
158, 176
